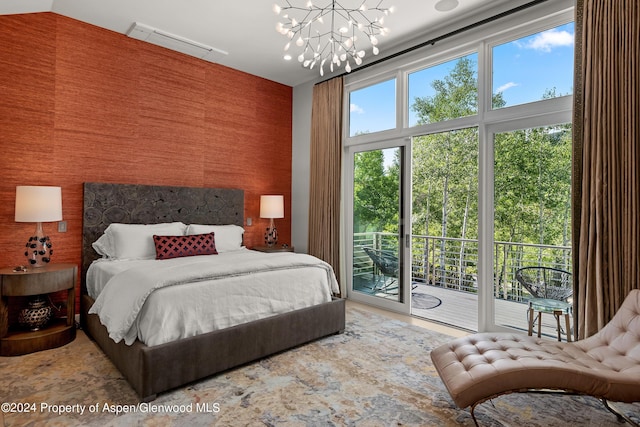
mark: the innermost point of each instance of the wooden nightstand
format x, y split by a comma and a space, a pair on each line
274, 248
51, 278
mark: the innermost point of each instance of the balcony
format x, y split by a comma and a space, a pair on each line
444, 277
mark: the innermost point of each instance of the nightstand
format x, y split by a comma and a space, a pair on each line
51, 278
274, 248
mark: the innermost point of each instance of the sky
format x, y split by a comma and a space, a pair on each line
523, 70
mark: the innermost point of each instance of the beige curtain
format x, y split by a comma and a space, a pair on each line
606, 169
325, 171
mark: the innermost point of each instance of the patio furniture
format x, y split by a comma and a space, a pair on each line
483, 366
387, 264
550, 288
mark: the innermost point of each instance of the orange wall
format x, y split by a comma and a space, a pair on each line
79, 103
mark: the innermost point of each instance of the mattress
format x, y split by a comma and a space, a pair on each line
178, 307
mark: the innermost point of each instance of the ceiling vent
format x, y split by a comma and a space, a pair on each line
173, 42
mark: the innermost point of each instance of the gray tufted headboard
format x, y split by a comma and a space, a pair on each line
151, 204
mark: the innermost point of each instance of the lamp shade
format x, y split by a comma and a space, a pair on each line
271, 206
38, 203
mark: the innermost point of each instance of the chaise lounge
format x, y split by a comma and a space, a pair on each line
606, 365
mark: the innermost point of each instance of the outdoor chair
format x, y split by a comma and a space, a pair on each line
387, 264
550, 288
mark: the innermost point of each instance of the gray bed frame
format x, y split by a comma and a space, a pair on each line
152, 370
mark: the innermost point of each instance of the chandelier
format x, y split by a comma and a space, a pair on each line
329, 34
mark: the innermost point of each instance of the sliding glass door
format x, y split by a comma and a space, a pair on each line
377, 249
532, 220
444, 237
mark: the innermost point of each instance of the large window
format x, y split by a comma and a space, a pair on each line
483, 124
532, 68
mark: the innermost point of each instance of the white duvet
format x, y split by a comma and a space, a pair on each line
158, 301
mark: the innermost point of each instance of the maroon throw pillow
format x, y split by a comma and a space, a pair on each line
181, 246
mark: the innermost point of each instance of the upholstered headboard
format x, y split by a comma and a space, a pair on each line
151, 204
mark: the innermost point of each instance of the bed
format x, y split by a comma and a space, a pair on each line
161, 366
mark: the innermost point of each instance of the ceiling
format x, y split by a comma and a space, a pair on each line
246, 29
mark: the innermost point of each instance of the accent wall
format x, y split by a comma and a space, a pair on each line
80, 104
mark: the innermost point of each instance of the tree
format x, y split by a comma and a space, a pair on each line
376, 193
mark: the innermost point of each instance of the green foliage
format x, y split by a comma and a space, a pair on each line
376, 193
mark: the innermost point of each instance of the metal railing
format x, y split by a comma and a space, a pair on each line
453, 263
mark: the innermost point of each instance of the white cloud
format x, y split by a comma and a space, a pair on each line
356, 109
547, 40
506, 86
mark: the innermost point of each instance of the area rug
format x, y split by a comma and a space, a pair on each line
424, 301
377, 373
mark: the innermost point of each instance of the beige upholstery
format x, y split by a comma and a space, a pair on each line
607, 365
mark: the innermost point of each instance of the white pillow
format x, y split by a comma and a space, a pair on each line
103, 246
135, 241
228, 237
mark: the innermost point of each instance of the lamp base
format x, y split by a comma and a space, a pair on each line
271, 236
38, 249
36, 315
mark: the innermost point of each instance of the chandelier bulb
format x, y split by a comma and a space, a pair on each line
376, 50
347, 67
299, 42
277, 9
301, 57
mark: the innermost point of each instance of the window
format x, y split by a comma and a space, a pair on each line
373, 108
485, 190
532, 68
457, 77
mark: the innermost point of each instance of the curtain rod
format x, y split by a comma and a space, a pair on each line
444, 36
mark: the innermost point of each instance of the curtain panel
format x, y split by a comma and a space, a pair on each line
325, 172
606, 161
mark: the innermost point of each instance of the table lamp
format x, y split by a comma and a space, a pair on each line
38, 204
271, 207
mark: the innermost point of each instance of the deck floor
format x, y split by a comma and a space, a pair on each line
460, 309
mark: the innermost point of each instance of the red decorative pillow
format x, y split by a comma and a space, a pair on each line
180, 246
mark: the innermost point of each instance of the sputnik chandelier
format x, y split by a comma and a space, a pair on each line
330, 33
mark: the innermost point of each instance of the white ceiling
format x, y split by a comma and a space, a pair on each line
246, 28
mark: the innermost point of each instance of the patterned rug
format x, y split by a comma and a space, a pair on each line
378, 373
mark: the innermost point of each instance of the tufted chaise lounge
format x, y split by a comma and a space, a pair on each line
606, 365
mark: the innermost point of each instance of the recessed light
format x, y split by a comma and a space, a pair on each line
446, 5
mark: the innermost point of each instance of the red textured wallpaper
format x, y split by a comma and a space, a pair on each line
79, 103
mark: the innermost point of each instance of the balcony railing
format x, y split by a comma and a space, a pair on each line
453, 263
